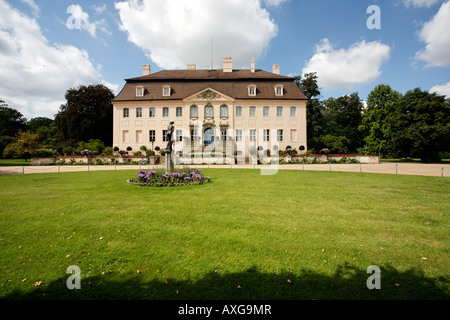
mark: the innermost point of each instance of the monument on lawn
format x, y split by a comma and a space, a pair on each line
169, 164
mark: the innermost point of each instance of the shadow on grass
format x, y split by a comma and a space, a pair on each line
252, 284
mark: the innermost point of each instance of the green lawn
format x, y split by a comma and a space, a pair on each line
294, 235
14, 162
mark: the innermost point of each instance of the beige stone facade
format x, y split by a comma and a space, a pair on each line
226, 111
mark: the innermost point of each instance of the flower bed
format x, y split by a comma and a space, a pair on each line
161, 178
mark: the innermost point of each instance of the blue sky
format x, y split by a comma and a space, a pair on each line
47, 47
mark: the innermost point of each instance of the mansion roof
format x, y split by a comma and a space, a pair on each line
185, 83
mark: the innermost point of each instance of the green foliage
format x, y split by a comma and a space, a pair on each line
25, 145
35, 123
87, 114
11, 121
375, 124
45, 153
94, 145
337, 144
419, 127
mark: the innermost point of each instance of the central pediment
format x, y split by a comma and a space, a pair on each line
208, 94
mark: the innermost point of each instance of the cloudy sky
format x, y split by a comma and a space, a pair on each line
48, 46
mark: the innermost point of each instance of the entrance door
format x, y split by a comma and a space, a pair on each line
208, 136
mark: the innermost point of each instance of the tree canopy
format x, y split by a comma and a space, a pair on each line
419, 125
88, 114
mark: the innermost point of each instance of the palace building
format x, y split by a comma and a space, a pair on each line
228, 111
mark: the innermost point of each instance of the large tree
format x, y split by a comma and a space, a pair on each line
88, 114
25, 146
419, 126
314, 119
11, 122
380, 105
342, 117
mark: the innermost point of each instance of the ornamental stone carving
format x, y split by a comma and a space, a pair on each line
208, 95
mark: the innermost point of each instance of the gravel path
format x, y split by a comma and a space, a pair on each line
436, 170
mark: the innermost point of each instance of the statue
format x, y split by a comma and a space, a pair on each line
169, 165
170, 130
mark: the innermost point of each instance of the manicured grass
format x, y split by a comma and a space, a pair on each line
14, 162
294, 235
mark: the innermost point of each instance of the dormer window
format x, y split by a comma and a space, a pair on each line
139, 91
252, 90
166, 91
279, 91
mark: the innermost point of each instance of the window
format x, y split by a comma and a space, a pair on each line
279, 90
165, 112
126, 113
252, 134
223, 134
209, 110
152, 113
194, 111
224, 110
138, 136
164, 133
139, 91
265, 111
279, 111
179, 135
293, 111
152, 135
280, 135
252, 90
266, 135
166, 91
252, 112
238, 111
179, 111
139, 113
238, 135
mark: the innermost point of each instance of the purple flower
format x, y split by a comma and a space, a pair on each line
187, 178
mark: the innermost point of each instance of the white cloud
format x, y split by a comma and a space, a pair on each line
33, 6
35, 74
80, 20
435, 34
420, 3
346, 68
99, 9
274, 3
443, 89
174, 33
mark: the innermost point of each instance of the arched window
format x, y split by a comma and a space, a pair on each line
194, 111
224, 110
209, 110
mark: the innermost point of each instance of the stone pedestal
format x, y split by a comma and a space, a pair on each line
168, 163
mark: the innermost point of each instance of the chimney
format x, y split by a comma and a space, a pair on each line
253, 64
227, 65
146, 70
191, 67
276, 68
